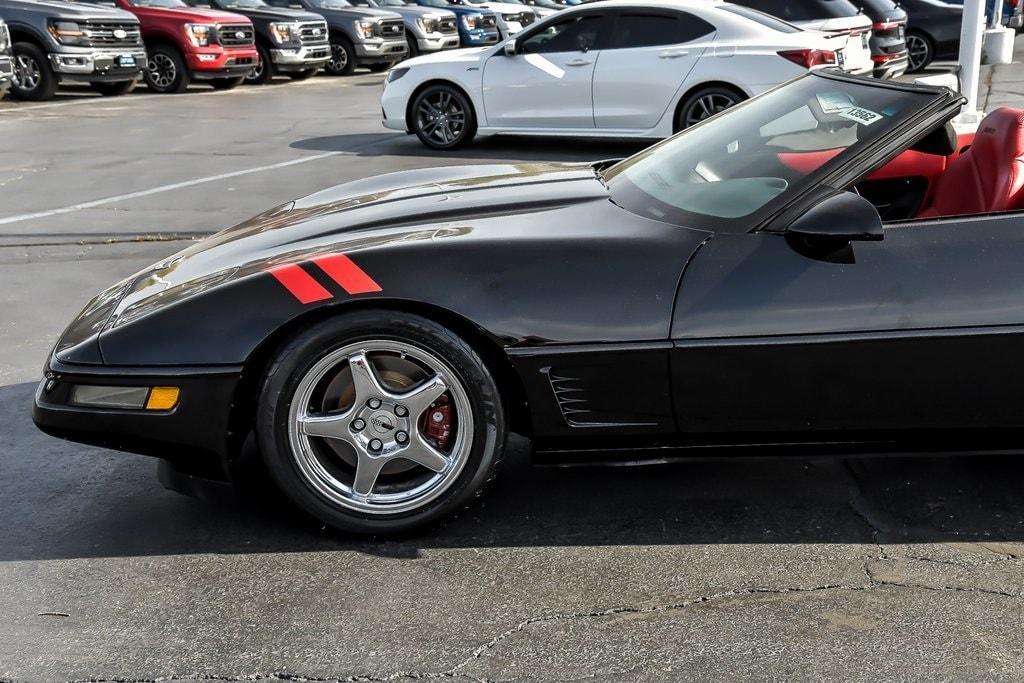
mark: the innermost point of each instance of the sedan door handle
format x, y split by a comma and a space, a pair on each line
579, 62
673, 54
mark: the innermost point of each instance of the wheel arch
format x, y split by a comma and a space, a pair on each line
437, 81
700, 86
23, 33
510, 386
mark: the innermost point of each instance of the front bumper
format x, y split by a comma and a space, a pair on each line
6, 72
479, 36
378, 50
198, 427
301, 58
221, 62
107, 64
436, 42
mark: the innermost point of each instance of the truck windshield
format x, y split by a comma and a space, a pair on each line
334, 4
391, 3
167, 4
242, 4
731, 171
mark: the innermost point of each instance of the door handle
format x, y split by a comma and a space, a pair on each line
579, 62
673, 54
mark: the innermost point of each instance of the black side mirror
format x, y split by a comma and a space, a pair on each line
839, 219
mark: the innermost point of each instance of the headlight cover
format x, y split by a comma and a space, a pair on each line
5, 37
200, 35
427, 25
397, 73
284, 32
67, 32
472, 21
364, 28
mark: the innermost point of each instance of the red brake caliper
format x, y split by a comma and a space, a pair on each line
436, 423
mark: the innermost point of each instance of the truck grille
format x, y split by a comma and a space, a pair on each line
313, 33
447, 25
111, 34
390, 28
235, 34
489, 21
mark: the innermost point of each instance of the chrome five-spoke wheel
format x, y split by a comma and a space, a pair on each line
379, 421
380, 426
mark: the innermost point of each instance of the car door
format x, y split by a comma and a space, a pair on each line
921, 330
647, 60
547, 82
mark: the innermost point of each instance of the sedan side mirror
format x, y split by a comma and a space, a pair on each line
839, 219
510, 47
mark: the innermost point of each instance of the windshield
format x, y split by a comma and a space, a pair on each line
391, 3
241, 4
731, 171
168, 4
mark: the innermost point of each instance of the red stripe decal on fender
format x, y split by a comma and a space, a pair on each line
346, 273
300, 283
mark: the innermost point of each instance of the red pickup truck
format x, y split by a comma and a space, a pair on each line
188, 43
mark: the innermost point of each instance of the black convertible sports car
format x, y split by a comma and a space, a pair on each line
827, 264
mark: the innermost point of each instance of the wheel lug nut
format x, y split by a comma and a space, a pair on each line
374, 403
401, 411
401, 437
376, 445
358, 424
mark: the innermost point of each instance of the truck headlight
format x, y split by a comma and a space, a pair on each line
472, 21
364, 28
67, 33
5, 37
199, 34
428, 25
283, 32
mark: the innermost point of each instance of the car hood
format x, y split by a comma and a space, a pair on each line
467, 55
373, 212
81, 11
201, 14
358, 12
278, 13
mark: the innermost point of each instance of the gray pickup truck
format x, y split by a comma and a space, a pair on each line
6, 63
55, 41
427, 29
360, 36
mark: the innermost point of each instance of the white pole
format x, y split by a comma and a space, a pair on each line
970, 58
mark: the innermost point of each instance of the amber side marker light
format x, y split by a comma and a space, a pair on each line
162, 398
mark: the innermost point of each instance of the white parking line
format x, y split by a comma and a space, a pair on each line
187, 183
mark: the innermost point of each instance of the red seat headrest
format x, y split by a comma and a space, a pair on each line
1001, 134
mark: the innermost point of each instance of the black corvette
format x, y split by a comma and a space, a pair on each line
825, 265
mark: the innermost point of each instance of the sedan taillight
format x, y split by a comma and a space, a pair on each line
809, 58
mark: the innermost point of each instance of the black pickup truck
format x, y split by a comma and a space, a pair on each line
289, 41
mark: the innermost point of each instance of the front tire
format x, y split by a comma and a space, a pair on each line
343, 57
705, 103
114, 89
414, 47
166, 71
442, 117
380, 422
33, 77
920, 51
263, 72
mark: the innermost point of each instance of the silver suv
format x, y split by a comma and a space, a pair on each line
6, 65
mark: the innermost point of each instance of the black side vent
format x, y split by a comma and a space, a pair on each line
571, 399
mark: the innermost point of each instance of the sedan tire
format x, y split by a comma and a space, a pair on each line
380, 422
920, 51
442, 117
705, 103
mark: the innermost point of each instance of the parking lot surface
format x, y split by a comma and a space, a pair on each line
857, 569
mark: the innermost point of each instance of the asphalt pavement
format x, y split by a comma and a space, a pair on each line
899, 568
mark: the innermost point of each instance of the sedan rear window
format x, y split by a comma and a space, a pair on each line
803, 10
766, 20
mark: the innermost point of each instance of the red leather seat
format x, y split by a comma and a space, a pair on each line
989, 176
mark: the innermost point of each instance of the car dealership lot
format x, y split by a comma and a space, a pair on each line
754, 568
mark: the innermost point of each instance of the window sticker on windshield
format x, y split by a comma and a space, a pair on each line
834, 102
865, 117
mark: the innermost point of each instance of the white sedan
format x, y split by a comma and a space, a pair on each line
621, 68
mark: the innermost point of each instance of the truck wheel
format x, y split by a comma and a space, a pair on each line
414, 47
302, 75
166, 71
33, 77
226, 83
343, 57
113, 89
263, 72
